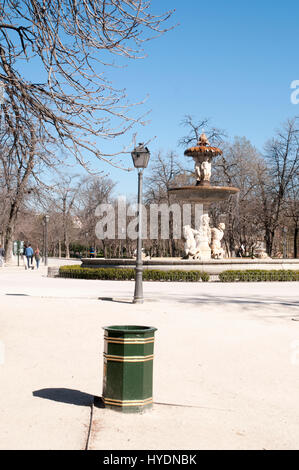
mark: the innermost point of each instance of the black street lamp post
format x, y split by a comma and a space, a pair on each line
46, 220
44, 223
285, 231
86, 243
140, 156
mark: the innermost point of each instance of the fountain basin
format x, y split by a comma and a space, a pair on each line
202, 194
212, 267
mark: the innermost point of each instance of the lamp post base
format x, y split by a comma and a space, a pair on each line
137, 300
138, 293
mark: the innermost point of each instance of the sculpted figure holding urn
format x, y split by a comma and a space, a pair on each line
191, 245
202, 170
217, 235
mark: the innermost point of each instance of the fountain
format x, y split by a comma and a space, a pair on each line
203, 243
203, 250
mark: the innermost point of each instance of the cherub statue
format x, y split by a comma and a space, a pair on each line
216, 237
206, 171
191, 245
197, 169
202, 170
204, 228
202, 161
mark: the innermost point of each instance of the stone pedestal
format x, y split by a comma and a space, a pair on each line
204, 251
203, 236
260, 250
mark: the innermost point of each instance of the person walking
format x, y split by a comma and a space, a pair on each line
37, 257
2, 254
24, 256
29, 255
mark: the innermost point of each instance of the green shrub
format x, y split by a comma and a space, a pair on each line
258, 275
117, 274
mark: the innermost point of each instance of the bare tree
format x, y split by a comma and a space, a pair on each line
26, 152
237, 166
72, 44
62, 201
292, 212
282, 156
165, 171
93, 191
18, 156
196, 128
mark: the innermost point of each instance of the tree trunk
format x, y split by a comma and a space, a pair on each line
296, 242
67, 247
227, 248
10, 228
66, 241
269, 241
8, 240
173, 247
18, 198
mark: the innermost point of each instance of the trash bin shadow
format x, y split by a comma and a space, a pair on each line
98, 402
116, 300
65, 395
122, 300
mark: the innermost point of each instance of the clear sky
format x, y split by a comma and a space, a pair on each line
232, 61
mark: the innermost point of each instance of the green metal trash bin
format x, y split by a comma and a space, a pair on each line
128, 368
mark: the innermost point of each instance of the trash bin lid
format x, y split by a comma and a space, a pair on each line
130, 329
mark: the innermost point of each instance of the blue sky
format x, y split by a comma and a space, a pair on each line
231, 61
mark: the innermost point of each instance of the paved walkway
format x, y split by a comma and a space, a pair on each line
226, 373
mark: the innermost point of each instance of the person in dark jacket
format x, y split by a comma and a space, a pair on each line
2, 254
29, 255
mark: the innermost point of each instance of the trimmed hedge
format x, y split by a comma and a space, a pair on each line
77, 272
127, 274
258, 275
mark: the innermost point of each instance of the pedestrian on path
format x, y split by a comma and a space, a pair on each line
2, 254
24, 256
37, 257
29, 255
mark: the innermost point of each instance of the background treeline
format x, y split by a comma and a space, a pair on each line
50, 124
266, 209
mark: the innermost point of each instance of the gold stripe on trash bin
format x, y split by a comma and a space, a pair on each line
111, 357
112, 401
110, 339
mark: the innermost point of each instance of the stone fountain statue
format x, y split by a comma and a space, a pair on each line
203, 243
217, 235
204, 238
191, 248
202, 162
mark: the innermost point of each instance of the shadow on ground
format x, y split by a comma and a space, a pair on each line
119, 301
237, 300
22, 295
65, 395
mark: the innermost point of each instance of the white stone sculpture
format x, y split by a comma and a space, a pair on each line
203, 238
204, 243
206, 171
191, 248
259, 250
202, 170
197, 168
216, 237
204, 228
